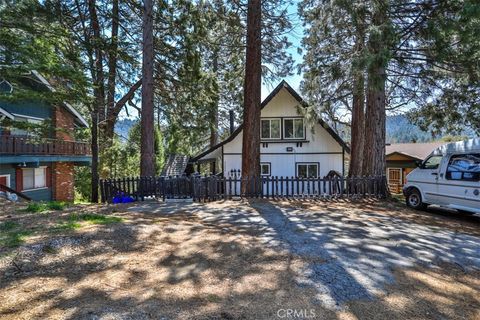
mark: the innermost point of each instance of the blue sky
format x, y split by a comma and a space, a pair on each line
295, 37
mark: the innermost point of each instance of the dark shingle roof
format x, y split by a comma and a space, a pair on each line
175, 166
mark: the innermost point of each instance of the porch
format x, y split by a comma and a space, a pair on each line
22, 145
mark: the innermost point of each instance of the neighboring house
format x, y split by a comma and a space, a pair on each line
42, 168
176, 165
402, 158
290, 146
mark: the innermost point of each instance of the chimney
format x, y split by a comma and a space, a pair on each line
232, 123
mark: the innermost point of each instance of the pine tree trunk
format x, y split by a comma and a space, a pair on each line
252, 94
214, 106
107, 126
94, 147
357, 140
99, 95
374, 161
214, 111
147, 152
358, 129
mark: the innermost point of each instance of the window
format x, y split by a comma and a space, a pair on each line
34, 178
293, 129
265, 169
432, 163
22, 130
307, 170
270, 129
394, 175
464, 167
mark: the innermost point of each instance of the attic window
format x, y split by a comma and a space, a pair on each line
5, 86
293, 128
270, 129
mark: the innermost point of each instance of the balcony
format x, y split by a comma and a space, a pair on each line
21, 145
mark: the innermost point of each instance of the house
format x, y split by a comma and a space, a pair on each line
290, 144
40, 167
402, 158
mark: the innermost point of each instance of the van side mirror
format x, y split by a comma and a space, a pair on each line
418, 163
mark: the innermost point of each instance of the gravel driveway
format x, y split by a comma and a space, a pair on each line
242, 260
349, 257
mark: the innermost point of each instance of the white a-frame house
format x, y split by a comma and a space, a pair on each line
289, 145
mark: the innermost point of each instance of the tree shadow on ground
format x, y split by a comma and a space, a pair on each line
236, 260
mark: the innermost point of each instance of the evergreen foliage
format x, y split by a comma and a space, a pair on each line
433, 62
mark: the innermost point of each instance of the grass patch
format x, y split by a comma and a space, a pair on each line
74, 221
35, 207
8, 225
93, 218
66, 226
38, 207
11, 235
99, 218
56, 205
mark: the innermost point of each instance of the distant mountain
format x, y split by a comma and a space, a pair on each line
122, 127
401, 130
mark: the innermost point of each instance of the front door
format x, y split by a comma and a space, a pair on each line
395, 180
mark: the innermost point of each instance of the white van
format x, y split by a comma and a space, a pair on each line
448, 177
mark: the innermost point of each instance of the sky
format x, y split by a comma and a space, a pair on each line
295, 37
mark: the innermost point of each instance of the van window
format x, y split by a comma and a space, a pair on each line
432, 163
464, 167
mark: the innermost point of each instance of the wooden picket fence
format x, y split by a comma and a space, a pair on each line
212, 188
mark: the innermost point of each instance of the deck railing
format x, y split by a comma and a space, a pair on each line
211, 188
21, 145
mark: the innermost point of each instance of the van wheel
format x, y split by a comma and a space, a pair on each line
414, 200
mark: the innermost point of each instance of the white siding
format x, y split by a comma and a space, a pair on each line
285, 165
320, 147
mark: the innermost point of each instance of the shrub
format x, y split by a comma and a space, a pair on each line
36, 207
55, 205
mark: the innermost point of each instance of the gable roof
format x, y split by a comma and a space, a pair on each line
80, 120
6, 113
282, 85
175, 166
416, 151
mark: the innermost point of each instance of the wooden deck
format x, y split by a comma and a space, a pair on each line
20, 145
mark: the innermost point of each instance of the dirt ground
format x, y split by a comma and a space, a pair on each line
237, 260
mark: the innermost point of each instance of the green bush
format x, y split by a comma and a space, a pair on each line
55, 205
35, 207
